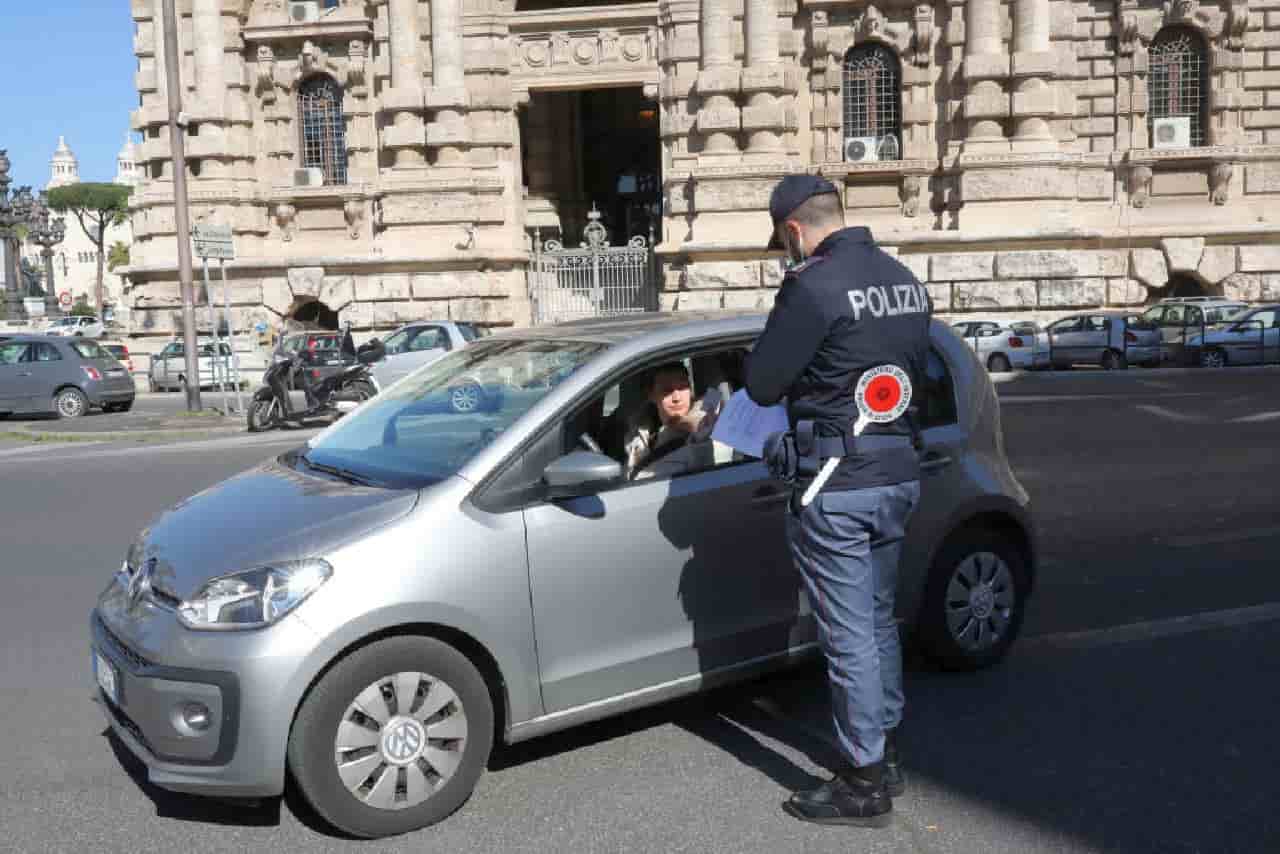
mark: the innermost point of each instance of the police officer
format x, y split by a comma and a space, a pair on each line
845, 307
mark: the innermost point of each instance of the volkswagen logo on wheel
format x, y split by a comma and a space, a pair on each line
402, 741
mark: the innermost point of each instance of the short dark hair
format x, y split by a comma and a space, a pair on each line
817, 211
668, 368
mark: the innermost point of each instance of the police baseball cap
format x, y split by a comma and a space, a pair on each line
791, 192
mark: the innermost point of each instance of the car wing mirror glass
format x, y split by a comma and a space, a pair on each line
581, 473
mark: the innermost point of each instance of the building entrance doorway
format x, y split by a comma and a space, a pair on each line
595, 149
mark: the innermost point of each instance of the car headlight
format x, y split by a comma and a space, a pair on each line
254, 598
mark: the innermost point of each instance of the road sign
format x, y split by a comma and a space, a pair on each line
213, 241
64, 299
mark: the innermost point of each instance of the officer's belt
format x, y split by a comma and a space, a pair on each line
809, 444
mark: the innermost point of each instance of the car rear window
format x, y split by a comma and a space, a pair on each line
1024, 328
117, 350
321, 342
90, 350
938, 405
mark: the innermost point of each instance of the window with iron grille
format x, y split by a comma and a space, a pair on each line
872, 97
1179, 80
324, 144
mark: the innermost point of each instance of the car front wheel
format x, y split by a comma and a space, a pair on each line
974, 601
393, 738
1213, 359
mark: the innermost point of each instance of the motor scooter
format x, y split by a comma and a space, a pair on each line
334, 395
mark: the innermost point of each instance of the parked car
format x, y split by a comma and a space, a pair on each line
66, 376
420, 343
299, 617
1005, 345
1249, 337
75, 325
119, 352
1104, 338
169, 367
320, 352
1180, 319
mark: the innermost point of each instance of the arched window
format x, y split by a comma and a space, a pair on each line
872, 101
324, 144
1179, 86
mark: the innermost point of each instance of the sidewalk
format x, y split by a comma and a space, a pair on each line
129, 427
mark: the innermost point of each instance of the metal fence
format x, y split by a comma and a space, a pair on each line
594, 280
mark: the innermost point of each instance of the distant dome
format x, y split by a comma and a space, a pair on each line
63, 167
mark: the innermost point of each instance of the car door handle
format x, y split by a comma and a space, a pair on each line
934, 461
24, 373
768, 497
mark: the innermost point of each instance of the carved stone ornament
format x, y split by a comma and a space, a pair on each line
357, 59
874, 26
353, 213
1190, 12
1220, 183
314, 59
910, 194
1237, 23
818, 22
1139, 185
266, 79
870, 24
922, 39
285, 214
1127, 32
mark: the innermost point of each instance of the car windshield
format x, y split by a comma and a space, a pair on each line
65, 321
1225, 313
397, 341
425, 427
90, 350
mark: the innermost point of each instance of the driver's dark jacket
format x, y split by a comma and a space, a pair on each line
849, 307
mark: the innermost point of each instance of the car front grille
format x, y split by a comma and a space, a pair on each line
134, 660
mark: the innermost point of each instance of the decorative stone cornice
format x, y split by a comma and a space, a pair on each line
325, 30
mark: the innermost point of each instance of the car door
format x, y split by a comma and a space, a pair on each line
660, 580
171, 364
1094, 339
48, 370
1173, 332
1245, 340
15, 375
1065, 340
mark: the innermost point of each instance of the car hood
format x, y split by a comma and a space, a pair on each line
269, 513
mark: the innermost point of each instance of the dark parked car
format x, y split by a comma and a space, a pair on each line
1109, 339
320, 352
64, 375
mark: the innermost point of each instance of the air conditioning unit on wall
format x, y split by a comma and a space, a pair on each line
304, 11
862, 149
1171, 132
312, 177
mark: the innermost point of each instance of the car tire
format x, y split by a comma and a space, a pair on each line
70, 403
999, 364
124, 407
962, 626
1213, 358
1113, 361
352, 705
151, 385
466, 398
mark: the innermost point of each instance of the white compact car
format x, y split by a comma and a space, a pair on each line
85, 326
1005, 345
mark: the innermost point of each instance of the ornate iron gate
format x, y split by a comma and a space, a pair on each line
595, 280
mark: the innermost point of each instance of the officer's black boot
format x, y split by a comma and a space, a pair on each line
855, 796
894, 782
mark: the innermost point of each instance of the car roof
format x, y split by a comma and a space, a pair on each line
678, 326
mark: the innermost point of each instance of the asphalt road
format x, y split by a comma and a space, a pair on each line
1137, 713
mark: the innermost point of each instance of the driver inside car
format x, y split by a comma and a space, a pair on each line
672, 434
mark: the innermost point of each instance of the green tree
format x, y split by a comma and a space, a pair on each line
96, 207
117, 256
81, 307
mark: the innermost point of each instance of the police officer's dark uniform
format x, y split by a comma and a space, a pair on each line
847, 308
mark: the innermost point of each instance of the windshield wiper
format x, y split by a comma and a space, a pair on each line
341, 473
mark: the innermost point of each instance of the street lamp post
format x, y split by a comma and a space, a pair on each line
14, 211
46, 232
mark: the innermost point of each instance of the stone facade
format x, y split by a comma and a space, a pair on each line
1025, 181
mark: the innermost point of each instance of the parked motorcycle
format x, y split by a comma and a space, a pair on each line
334, 395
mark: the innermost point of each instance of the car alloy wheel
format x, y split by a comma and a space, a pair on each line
980, 601
1213, 359
465, 398
71, 403
400, 740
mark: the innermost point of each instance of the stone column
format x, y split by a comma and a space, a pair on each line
405, 136
985, 65
210, 74
762, 79
448, 93
157, 31
718, 120
1034, 99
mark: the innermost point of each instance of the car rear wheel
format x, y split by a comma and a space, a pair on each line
1112, 361
70, 403
1214, 358
393, 738
974, 601
465, 398
999, 364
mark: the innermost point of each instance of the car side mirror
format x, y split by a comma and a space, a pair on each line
580, 473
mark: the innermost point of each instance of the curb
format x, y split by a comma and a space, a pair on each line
1086, 374
35, 434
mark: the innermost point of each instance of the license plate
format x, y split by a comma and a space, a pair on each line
115, 373
105, 672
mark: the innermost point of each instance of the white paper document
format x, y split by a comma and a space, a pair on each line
744, 426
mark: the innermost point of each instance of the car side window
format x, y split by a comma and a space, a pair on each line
12, 354
1174, 315
1194, 316
1096, 324
427, 339
937, 407
46, 352
1071, 324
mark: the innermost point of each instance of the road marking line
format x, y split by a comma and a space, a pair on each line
1170, 415
1191, 541
1155, 629
1067, 398
1254, 419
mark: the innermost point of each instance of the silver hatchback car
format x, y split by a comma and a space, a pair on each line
374, 610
